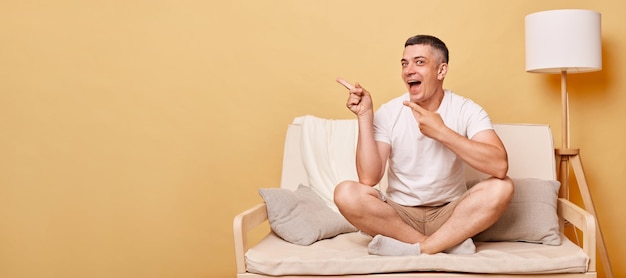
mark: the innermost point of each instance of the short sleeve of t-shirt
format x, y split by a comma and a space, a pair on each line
464, 115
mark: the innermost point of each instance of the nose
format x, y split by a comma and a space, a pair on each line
408, 70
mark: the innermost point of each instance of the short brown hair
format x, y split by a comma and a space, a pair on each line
432, 41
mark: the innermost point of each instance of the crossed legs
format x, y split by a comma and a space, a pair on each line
362, 206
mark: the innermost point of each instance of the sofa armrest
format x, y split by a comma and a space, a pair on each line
585, 222
243, 223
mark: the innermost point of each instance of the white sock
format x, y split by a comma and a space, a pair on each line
466, 247
386, 246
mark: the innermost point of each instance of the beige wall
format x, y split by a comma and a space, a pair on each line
133, 131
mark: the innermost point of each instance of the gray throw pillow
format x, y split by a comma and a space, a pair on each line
301, 216
531, 215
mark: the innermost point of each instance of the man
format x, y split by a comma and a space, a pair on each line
425, 135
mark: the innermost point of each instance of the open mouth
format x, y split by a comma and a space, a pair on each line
414, 83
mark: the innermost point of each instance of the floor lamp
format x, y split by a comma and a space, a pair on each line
562, 42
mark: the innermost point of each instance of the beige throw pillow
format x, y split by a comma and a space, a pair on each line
301, 216
531, 215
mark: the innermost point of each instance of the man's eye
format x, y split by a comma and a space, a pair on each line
419, 62
404, 64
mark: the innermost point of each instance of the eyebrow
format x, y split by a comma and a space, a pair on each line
414, 58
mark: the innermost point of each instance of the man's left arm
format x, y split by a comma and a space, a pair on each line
484, 151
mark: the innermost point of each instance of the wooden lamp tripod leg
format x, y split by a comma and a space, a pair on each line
572, 157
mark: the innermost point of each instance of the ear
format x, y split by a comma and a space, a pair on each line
443, 70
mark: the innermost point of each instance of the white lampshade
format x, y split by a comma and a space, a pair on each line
563, 40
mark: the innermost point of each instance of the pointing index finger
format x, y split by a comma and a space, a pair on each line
345, 84
416, 107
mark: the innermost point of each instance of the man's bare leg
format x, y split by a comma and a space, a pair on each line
485, 204
362, 206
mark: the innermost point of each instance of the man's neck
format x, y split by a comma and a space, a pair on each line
433, 103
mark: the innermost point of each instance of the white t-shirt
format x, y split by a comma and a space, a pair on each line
422, 171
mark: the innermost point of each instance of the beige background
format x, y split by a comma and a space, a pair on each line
132, 132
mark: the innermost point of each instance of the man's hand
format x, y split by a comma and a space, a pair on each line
430, 123
359, 100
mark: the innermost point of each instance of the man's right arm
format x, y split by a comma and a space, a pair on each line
371, 156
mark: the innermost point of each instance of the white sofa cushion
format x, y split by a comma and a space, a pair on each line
347, 254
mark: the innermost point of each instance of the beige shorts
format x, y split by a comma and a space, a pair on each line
425, 219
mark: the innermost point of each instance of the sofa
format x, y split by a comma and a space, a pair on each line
308, 237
